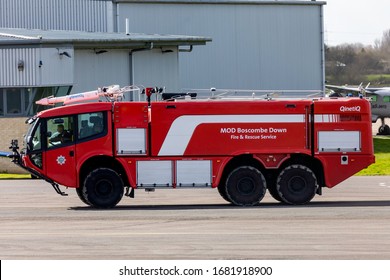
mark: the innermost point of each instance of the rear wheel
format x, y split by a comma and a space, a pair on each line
384, 130
296, 184
245, 186
274, 192
103, 188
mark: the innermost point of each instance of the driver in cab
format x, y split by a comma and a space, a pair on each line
61, 135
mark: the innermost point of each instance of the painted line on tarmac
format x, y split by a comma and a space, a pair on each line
384, 185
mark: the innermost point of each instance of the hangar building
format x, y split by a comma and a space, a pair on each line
257, 44
266, 45
40, 63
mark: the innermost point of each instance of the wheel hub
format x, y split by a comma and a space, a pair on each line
245, 186
103, 187
297, 184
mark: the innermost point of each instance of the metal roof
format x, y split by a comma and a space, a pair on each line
81, 39
233, 2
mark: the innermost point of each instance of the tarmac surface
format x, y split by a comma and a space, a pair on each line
350, 221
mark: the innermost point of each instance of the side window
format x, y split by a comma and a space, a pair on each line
90, 125
1, 103
60, 131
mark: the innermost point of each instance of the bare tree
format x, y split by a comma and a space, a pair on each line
351, 63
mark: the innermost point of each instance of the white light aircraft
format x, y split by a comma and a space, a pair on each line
380, 101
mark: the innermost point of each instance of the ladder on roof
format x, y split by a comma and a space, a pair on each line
238, 94
115, 93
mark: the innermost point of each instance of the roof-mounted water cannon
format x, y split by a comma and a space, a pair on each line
110, 90
112, 93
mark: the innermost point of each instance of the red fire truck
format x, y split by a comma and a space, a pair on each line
241, 147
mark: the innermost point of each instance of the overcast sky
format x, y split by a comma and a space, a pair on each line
355, 21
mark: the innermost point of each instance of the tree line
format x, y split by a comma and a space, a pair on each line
356, 63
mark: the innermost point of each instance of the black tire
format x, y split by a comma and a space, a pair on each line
245, 186
387, 130
222, 191
274, 192
103, 188
384, 130
80, 194
296, 184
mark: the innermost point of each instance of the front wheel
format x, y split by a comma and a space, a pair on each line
296, 184
384, 130
222, 192
103, 188
81, 195
245, 186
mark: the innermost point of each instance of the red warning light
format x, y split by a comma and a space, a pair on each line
148, 91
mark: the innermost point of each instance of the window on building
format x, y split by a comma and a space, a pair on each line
1, 103
14, 101
21, 101
35, 95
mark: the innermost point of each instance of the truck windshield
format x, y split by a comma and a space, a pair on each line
32, 140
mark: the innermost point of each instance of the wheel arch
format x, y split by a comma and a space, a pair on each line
102, 162
237, 161
312, 163
270, 174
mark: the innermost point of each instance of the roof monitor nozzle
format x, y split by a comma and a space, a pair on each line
213, 90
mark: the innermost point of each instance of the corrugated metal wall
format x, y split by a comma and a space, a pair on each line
82, 15
41, 67
254, 46
93, 70
153, 68
56, 69
156, 68
9, 72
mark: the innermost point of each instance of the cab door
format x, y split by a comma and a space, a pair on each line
59, 160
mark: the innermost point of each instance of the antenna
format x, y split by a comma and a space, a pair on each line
127, 27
